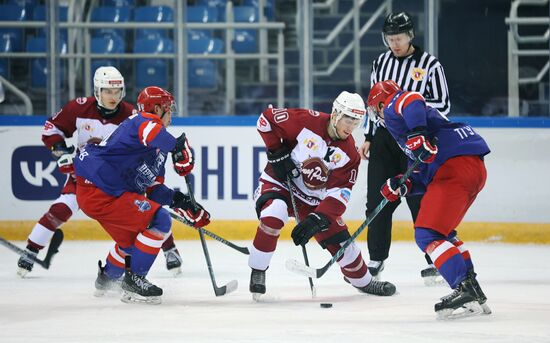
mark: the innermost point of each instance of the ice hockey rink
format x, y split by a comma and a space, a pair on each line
58, 305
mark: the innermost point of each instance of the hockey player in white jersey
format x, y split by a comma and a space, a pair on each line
317, 153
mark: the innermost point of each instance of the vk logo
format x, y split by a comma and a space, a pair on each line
34, 174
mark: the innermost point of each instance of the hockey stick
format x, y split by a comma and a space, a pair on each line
53, 249
304, 251
242, 250
233, 284
300, 268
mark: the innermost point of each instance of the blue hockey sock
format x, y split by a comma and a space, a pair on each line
446, 257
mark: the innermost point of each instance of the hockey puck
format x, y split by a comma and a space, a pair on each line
326, 305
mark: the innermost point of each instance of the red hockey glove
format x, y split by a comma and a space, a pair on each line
422, 149
307, 228
196, 216
65, 164
282, 163
64, 157
182, 156
391, 189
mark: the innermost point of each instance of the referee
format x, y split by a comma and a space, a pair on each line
413, 70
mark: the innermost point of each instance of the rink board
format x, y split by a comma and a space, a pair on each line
513, 207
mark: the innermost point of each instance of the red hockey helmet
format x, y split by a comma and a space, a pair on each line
381, 91
151, 96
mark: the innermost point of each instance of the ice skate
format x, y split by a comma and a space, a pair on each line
257, 283
137, 289
104, 284
376, 268
481, 298
432, 277
375, 287
173, 261
462, 302
25, 264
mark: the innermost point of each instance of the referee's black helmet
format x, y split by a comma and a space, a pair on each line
397, 23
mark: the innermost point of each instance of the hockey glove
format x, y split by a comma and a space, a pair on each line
420, 146
182, 201
195, 216
64, 157
282, 164
182, 156
391, 190
307, 228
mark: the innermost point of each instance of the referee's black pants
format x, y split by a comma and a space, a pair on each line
386, 160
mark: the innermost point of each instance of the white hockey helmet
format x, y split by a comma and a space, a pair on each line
351, 105
108, 77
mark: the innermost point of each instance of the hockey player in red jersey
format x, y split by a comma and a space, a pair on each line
317, 153
121, 185
92, 119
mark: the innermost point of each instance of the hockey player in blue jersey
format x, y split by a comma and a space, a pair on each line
121, 185
450, 176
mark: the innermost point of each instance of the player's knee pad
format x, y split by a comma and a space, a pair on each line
161, 222
424, 237
69, 199
274, 208
57, 215
267, 199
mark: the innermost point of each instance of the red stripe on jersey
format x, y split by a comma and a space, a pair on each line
147, 131
116, 263
151, 116
146, 248
152, 235
405, 99
444, 257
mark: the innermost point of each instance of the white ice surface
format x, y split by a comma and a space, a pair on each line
58, 306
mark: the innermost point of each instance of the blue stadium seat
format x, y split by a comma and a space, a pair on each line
29, 5
152, 72
110, 14
201, 14
203, 74
13, 13
268, 10
106, 45
219, 5
245, 41
39, 67
39, 14
119, 3
153, 14
6, 45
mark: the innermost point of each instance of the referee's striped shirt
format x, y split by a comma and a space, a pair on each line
419, 72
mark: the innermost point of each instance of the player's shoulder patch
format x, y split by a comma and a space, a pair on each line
405, 99
313, 113
263, 124
81, 100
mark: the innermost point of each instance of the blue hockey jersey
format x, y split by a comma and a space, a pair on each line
406, 111
131, 159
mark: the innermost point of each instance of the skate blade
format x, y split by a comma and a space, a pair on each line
22, 272
486, 309
467, 310
256, 296
134, 298
432, 281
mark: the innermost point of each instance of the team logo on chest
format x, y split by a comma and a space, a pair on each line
142, 205
417, 74
314, 173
